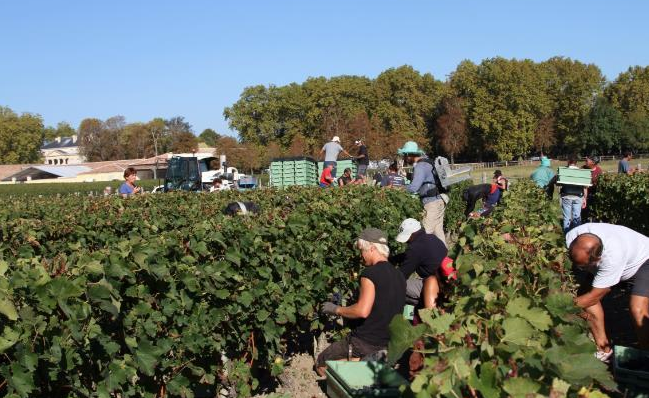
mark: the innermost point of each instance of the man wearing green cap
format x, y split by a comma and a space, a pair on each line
424, 184
382, 295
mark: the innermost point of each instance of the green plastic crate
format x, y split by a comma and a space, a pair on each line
634, 379
570, 176
362, 379
409, 312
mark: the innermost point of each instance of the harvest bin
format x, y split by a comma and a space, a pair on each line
570, 176
625, 362
362, 379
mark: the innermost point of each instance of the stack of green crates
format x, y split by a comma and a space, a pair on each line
286, 172
341, 165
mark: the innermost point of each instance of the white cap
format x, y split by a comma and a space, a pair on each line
336, 138
408, 227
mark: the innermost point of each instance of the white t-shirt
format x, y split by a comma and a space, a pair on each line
625, 250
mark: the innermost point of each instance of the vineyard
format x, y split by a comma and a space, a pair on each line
510, 327
624, 200
67, 188
163, 295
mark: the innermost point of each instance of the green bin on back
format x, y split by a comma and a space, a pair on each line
362, 379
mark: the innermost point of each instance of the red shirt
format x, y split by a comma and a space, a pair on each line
595, 173
325, 178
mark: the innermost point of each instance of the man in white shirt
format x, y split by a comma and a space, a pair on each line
613, 253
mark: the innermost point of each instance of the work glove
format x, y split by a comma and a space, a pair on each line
329, 308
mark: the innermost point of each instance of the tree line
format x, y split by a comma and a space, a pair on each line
497, 109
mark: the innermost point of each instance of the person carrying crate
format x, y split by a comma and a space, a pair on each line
573, 197
613, 253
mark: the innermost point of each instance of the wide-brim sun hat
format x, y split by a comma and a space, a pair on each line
410, 148
336, 138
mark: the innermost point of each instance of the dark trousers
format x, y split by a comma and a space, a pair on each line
341, 350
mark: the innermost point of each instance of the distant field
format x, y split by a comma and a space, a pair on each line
67, 188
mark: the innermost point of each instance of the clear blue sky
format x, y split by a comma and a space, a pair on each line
68, 60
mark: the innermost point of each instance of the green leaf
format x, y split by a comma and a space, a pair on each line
8, 338
520, 386
245, 298
559, 388
438, 325
21, 380
536, 316
402, 336
8, 309
486, 383
147, 357
233, 255
517, 331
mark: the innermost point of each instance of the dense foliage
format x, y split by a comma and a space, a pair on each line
623, 199
152, 294
510, 327
68, 188
20, 137
510, 108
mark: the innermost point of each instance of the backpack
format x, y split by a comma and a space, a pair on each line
443, 176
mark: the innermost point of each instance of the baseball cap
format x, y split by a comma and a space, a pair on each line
374, 235
408, 227
336, 138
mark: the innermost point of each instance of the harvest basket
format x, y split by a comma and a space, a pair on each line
362, 379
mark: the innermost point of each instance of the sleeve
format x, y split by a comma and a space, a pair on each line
608, 273
123, 189
417, 180
408, 265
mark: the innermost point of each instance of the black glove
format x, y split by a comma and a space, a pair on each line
329, 308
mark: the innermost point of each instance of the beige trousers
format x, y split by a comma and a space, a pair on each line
433, 221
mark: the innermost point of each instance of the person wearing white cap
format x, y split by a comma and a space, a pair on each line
381, 296
331, 150
424, 256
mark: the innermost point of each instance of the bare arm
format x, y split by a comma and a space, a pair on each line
364, 305
591, 298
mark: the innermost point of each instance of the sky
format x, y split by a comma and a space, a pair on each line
69, 60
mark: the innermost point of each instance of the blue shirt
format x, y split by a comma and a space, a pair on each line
421, 174
623, 167
125, 189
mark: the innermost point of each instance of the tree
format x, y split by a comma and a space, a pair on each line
505, 100
159, 135
630, 91
209, 137
20, 137
184, 142
572, 88
62, 129
90, 139
544, 134
102, 141
602, 130
136, 141
451, 127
